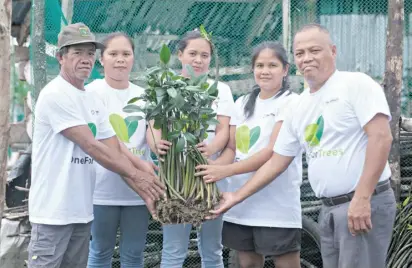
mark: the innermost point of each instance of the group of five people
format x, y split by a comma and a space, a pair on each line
89, 181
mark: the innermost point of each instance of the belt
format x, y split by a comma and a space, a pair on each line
340, 199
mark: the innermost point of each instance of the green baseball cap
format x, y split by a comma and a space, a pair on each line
77, 33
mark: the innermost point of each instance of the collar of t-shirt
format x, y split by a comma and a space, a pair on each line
327, 83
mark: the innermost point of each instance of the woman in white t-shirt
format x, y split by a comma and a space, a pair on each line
269, 222
196, 51
116, 205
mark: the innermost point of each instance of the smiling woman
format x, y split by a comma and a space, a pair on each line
115, 204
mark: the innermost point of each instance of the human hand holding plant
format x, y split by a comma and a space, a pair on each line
205, 149
227, 201
181, 110
162, 147
212, 173
149, 167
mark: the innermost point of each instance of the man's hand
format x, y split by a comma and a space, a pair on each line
359, 216
149, 167
227, 201
149, 188
213, 173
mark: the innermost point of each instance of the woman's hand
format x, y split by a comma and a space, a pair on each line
162, 147
213, 173
204, 149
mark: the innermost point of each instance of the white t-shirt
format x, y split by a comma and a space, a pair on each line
222, 105
63, 175
277, 204
111, 189
328, 125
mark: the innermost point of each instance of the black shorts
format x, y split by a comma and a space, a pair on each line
267, 241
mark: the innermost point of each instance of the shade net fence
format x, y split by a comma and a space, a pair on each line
358, 28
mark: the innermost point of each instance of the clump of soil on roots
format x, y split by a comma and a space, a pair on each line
176, 211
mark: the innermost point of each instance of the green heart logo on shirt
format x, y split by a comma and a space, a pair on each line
93, 128
246, 138
314, 132
124, 128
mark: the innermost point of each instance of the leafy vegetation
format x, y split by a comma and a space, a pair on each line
400, 253
182, 109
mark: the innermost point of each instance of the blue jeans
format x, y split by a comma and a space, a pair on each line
133, 222
176, 242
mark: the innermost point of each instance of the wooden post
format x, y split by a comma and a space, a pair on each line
392, 83
38, 52
286, 25
5, 55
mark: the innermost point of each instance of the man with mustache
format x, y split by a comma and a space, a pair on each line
72, 131
342, 123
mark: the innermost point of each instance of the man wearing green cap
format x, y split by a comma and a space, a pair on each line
71, 131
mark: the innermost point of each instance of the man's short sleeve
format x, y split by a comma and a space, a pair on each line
368, 99
61, 113
287, 143
225, 103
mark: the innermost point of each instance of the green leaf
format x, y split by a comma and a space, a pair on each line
212, 121
157, 124
190, 138
206, 110
213, 90
243, 139
134, 100
409, 227
204, 86
200, 79
172, 92
160, 93
180, 145
153, 70
178, 101
406, 201
119, 126
134, 118
93, 128
193, 88
254, 136
131, 108
178, 126
165, 54
173, 135
177, 77
190, 71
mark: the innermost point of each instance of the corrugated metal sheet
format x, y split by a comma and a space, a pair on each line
361, 41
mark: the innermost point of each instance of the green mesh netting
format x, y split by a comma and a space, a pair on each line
358, 27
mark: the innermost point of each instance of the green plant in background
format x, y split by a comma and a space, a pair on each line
181, 108
400, 248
